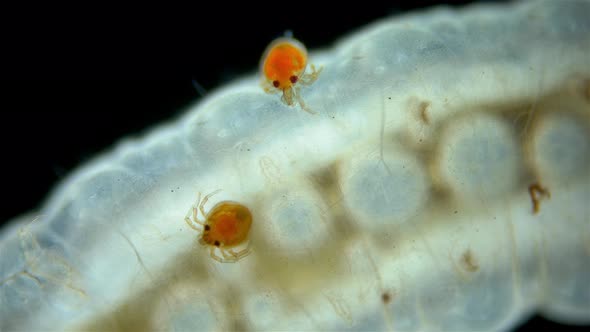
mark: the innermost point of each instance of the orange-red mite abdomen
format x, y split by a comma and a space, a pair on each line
226, 226
284, 60
229, 223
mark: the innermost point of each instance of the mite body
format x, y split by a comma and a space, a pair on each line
226, 226
283, 70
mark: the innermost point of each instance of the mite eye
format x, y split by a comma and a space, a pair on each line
216, 243
293, 79
276, 83
207, 227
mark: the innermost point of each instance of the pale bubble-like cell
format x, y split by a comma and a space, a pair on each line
484, 148
562, 146
295, 221
383, 190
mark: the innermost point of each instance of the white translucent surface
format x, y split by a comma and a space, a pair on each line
403, 204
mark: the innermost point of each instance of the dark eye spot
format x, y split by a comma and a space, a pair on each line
216, 243
293, 79
275, 83
207, 227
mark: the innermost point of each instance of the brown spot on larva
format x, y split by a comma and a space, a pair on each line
468, 261
419, 109
423, 109
386, 298
536, 191
587, 89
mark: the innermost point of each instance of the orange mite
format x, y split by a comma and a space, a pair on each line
283, 69
225, 227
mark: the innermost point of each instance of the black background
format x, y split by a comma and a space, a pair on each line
75, 79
